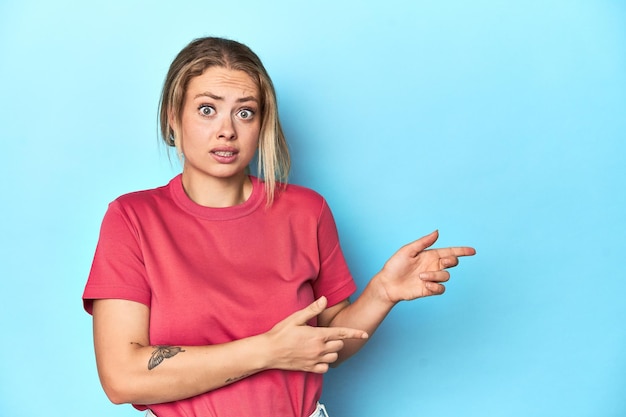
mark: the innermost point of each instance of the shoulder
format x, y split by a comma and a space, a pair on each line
297, 194
148, 199
302, 202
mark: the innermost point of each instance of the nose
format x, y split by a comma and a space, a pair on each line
227, 129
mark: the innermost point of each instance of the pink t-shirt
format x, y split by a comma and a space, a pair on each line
214, 275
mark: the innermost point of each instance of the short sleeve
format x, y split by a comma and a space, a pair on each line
334, 280
118, 269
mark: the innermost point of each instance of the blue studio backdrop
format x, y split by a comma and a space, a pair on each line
500, 123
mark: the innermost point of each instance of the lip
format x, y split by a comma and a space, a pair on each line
224, 155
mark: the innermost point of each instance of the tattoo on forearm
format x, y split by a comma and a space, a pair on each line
235, 379
161, 353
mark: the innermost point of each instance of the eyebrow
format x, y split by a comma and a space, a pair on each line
216, 97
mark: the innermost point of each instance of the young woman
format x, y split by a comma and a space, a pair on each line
226, 294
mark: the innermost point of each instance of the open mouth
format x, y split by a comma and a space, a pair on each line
224, 153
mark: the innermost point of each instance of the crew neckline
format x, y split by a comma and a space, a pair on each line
217, 213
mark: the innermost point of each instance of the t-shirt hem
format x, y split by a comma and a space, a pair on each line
102, 293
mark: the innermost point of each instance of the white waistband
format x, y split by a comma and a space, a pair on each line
320, 411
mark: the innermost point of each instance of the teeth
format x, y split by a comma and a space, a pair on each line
224, 153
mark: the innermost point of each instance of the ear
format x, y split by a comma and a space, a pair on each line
171, 119
173, 127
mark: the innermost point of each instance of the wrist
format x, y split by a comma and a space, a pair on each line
378, 292
263, 351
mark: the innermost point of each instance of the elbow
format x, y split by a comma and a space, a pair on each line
116, 400
117, 391
115, 395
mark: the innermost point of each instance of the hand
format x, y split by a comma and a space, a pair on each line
297, 346
414, 271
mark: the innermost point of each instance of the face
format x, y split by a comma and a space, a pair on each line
220, 126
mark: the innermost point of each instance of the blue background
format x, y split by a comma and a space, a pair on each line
502, 124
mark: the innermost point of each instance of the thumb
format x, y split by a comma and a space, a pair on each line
423, 242
314, 309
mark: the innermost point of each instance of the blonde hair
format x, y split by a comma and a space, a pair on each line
273, 155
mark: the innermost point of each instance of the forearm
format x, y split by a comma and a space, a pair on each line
132, 371
366, 313
137, 378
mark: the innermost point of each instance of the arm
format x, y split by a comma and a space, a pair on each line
132, 371
412, 272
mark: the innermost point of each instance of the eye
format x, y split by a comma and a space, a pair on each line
206, 110
246, 114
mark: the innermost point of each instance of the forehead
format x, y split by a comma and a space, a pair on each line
223, 82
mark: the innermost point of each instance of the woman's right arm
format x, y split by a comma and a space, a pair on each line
133, 371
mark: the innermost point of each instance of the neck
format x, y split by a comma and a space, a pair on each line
217, 192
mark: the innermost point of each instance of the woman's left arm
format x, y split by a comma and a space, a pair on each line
414, 271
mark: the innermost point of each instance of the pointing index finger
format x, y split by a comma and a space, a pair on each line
456, 251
